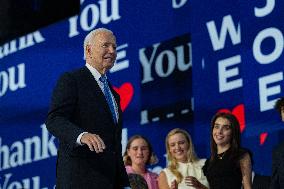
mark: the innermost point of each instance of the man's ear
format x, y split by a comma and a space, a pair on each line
88, 51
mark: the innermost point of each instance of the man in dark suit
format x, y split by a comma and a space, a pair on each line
277, 177
86, 118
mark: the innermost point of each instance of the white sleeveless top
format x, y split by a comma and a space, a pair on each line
188, 169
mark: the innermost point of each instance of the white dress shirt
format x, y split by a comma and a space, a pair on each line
97, 76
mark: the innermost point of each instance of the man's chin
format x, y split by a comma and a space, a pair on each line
108, 65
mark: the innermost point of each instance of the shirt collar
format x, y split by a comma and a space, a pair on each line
94, 72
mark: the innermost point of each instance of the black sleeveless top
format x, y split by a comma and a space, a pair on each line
224, 171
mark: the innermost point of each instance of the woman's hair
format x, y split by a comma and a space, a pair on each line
172, 162
235, 142
279, 104
152, 159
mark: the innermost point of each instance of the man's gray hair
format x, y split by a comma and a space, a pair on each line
92, 34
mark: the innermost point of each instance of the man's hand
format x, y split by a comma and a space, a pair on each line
94, 142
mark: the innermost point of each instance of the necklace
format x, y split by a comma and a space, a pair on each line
220, 156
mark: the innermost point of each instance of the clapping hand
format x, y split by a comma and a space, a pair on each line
174, 185
193, 182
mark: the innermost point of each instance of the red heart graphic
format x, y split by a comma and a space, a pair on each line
125, 92
262, 138
239, 112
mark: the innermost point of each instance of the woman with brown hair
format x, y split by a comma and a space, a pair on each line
138, 155
184, 170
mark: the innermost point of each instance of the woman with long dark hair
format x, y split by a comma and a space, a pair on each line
229, 166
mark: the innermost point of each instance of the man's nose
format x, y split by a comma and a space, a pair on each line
112, 49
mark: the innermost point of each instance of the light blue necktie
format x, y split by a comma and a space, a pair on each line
108, 97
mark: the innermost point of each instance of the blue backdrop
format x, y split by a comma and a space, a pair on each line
178, 63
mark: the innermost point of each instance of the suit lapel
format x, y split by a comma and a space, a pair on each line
95, 88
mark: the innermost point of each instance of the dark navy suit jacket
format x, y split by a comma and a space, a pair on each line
78, 105
277, 177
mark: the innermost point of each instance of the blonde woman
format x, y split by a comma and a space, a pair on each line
184, 170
